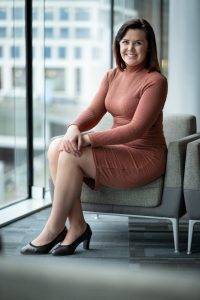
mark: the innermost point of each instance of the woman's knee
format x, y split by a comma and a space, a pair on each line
53, 151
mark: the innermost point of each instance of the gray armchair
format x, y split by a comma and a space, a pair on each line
192, 187
162, 198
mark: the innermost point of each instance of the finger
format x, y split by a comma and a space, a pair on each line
79, 142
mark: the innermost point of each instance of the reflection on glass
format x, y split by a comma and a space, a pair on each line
13, 144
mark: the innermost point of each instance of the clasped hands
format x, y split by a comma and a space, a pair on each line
73, 141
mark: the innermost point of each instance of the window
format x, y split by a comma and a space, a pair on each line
64, 14
2, 32
48, 14
18, 13
18, 32
62, 52
15, 52
2, 13
82, 14
64, 32
35, 13
55, 78
47, 52
13, 125
19, 77
35, 32
82, 33
78, 52
1, 51
48, 32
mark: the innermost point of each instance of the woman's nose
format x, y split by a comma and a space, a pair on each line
131, 46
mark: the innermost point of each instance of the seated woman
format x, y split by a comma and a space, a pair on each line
130, 154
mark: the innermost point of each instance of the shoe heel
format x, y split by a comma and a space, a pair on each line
86, 243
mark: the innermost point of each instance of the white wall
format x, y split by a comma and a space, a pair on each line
184, 58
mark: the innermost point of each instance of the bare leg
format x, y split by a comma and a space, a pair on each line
68, 175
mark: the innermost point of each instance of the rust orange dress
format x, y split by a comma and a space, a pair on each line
133, 152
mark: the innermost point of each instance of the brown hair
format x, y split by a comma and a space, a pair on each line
152, 63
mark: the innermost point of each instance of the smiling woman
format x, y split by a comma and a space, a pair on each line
129, 154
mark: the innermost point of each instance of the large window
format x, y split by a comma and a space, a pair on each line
13, 128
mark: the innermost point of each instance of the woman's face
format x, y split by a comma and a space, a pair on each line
133, 47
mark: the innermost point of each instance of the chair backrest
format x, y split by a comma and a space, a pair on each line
177, 126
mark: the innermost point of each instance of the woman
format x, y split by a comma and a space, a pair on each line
130, 154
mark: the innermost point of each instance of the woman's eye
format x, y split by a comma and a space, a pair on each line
138, 43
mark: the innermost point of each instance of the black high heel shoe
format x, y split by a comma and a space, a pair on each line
32, 249
69, 249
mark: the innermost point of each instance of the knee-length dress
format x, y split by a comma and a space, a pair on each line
133, 151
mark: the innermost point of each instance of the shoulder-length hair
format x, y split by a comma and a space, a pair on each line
151, 63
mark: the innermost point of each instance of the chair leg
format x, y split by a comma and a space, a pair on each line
175, 234
190, 234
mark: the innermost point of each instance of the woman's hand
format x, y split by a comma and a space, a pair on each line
72, 141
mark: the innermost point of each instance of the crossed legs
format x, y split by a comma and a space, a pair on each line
67, 172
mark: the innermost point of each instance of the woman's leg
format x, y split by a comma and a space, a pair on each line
67, 172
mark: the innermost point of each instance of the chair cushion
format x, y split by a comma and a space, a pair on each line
145, 196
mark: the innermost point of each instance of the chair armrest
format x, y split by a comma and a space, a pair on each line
192, 180
192, 166
175, 165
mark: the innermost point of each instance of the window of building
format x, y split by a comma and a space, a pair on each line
2, 13
82, 33
62, 52
1, 51
47, 52
15, 52
55, 78
78, 52
64, 14
18, 32
35, 32
48, 14
18, 13
19, 77
64, 32
2, 31
35, 13
82, 14
48, 32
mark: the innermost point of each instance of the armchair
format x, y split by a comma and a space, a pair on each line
192, 187
162, 198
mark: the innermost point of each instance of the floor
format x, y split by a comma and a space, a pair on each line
120, 241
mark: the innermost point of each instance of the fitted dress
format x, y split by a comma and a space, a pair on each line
133, 151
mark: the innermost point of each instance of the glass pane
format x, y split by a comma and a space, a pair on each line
13, 130
39, 51
68, 71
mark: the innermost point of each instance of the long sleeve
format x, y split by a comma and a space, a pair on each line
148, 109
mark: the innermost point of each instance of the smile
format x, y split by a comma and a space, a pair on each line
130, 55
